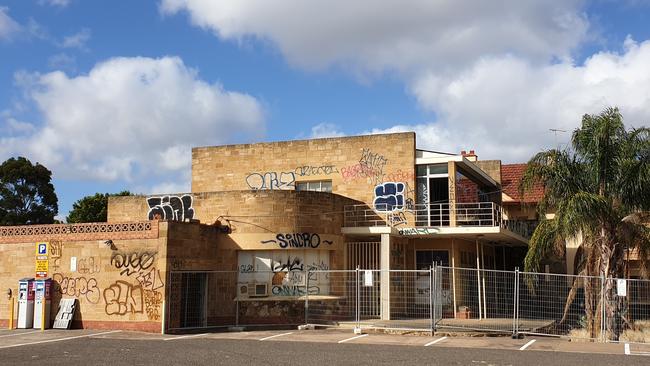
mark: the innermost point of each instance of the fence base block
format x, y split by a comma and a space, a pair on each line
306, 327
358, 331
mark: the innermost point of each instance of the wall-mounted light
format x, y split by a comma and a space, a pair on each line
109, 243
9, 293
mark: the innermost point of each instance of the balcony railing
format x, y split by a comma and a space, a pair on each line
474, 214
435, 214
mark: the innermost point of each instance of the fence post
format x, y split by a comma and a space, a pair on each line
515, 306
307, 296
358, 307
432, 302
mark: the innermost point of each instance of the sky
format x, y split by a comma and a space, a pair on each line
112, 95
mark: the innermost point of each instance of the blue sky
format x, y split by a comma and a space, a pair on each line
111, 95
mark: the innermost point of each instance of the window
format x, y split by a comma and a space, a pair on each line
318, 186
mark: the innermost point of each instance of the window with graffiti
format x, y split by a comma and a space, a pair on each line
285, 273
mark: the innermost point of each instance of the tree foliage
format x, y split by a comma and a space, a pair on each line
92, 208
26, 193
598, 190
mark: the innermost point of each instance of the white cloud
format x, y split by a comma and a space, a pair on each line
395, 35
59, 3
8, 27
497, 75
130, 119
503, 107
326, 130
77, 40
62, 61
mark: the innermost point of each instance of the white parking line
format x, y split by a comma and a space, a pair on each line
277, 335
183, 337
17, 334
59, 339
527, 344
627, 348
355, 337
435, 341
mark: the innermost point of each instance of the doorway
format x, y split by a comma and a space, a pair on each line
194, 300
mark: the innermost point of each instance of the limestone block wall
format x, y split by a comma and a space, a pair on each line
120, 285
355, 165
247, 211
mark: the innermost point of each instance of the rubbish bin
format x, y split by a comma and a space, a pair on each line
26, 303
42, 291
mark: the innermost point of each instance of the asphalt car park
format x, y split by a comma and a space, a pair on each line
27, 346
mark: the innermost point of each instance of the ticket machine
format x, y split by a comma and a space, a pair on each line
42, 298
26, 303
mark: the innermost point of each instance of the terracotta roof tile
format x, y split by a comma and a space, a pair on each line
511, 175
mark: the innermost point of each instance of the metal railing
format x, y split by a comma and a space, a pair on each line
435, 214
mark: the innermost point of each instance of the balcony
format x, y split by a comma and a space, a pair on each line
437, 215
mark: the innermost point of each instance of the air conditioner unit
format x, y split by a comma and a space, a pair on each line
258, 290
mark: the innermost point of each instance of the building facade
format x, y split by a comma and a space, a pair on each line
259, 212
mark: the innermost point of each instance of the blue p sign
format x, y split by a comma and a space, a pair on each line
42, 248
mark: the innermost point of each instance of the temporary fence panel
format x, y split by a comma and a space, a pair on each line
340, 305
559, 305
451, 298
474, 299
410, 299
627, 310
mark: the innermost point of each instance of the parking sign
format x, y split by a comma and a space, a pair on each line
41, 249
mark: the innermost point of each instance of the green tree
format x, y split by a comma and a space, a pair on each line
92, 208
26, 193
598, 190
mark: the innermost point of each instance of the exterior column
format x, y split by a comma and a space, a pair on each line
451, 180
384, 276
478, 280
453, 275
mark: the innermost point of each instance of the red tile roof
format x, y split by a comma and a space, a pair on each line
511, 175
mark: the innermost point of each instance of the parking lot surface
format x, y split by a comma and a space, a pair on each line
310, 347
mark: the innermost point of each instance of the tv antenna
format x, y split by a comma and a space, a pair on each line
555, 131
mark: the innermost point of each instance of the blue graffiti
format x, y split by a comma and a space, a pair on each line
389, 196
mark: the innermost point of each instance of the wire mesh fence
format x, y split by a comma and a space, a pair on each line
559, 305
627, 310
441, 298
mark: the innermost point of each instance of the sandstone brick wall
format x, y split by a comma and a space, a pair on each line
251, 211
355, 165
118, 287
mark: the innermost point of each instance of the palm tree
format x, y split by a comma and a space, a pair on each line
599, 190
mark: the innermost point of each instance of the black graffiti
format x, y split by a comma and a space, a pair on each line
308, 170
133, 262
397, 218
246, 268
271, 181
297, 240
289, 290
292, 264
151, 279
375, 162
171, 208
418, 231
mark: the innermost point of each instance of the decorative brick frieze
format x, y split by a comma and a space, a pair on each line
77, 232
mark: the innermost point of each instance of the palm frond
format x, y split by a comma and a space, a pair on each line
544, 241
